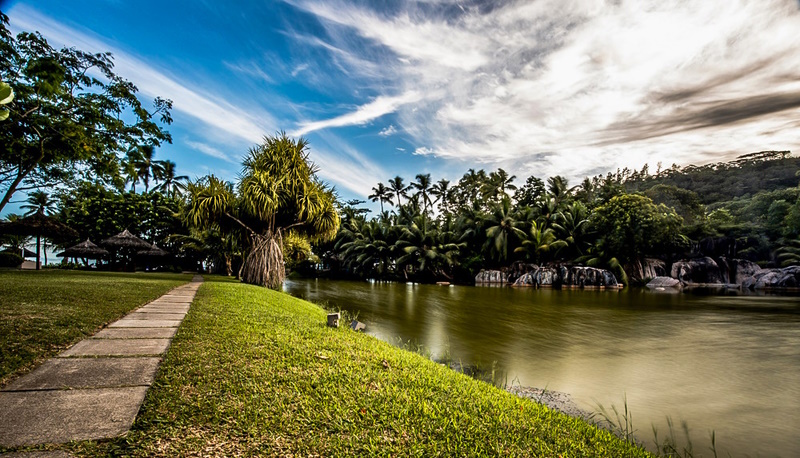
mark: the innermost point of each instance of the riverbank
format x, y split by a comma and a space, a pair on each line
256, 372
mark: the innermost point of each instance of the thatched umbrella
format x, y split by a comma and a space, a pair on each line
39, 225
85, 250
127, 242
152, 251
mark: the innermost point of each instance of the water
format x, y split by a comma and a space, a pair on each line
727, 363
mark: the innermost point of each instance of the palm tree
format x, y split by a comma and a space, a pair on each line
441, 189
171, 185
538, 241
501, 225
423, 187
558, 187
381, 194
39, 201
398, 188
571, 222
143, 159
278, 192
497, 184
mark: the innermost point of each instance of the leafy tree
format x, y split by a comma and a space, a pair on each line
278, 192
631, 226
529, 194
69, 115
6, 96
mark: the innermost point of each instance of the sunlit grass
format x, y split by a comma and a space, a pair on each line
253, 372
43, 312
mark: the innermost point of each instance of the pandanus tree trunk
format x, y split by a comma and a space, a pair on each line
264, 263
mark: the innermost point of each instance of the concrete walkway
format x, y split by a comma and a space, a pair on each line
94, 389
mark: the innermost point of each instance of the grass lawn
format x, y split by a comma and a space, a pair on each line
253, 372
43, 312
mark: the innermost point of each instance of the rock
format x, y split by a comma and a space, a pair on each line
575, 276
698, 270
589, 276
787, 277
653, 268
664, 282
491, 276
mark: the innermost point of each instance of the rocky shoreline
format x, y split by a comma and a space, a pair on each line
555, 400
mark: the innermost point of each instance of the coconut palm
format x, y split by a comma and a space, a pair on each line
442, 191
570, 224
381, 194
538, 241
146, 167
171, 185
398, 188
39, 201
278, 191
423, 187
502, 226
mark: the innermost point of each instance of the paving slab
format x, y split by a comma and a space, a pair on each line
153, 315
136, 333
75, 373
128, 323
117, 347
159, 309
170, 303
40, 417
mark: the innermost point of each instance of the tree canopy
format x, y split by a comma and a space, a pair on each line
68, 117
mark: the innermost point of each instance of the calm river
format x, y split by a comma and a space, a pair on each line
727, 363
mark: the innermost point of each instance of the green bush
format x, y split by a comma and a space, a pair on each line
10, 259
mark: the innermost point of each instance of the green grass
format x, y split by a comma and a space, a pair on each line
43, 312
253, 372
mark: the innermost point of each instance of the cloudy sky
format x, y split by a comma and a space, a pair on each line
569, 87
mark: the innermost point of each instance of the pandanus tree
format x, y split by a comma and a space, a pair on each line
278, 193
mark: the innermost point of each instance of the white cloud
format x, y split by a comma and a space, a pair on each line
345, 165
388, 131
572, 87
365, 113
209, 151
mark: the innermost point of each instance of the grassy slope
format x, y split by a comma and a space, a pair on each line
43, 312
255, 372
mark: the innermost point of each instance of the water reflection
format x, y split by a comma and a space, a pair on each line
729, 363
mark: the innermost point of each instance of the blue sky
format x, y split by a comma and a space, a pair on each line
570, 87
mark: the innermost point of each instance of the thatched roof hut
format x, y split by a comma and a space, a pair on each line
85, 249
126, 240
154, 251
39, 225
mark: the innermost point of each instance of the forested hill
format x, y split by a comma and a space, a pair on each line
724, 181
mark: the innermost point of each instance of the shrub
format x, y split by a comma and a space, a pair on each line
10, 259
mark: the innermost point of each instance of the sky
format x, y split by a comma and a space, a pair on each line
563, 87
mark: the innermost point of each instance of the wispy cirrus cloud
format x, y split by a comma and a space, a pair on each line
365, 113
572, 87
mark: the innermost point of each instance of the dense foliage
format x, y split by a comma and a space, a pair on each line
448, 232
70, 115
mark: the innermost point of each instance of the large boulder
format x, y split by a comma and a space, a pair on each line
664, 282
491, 276
579, 276
787, 277
698, 270
575, 276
